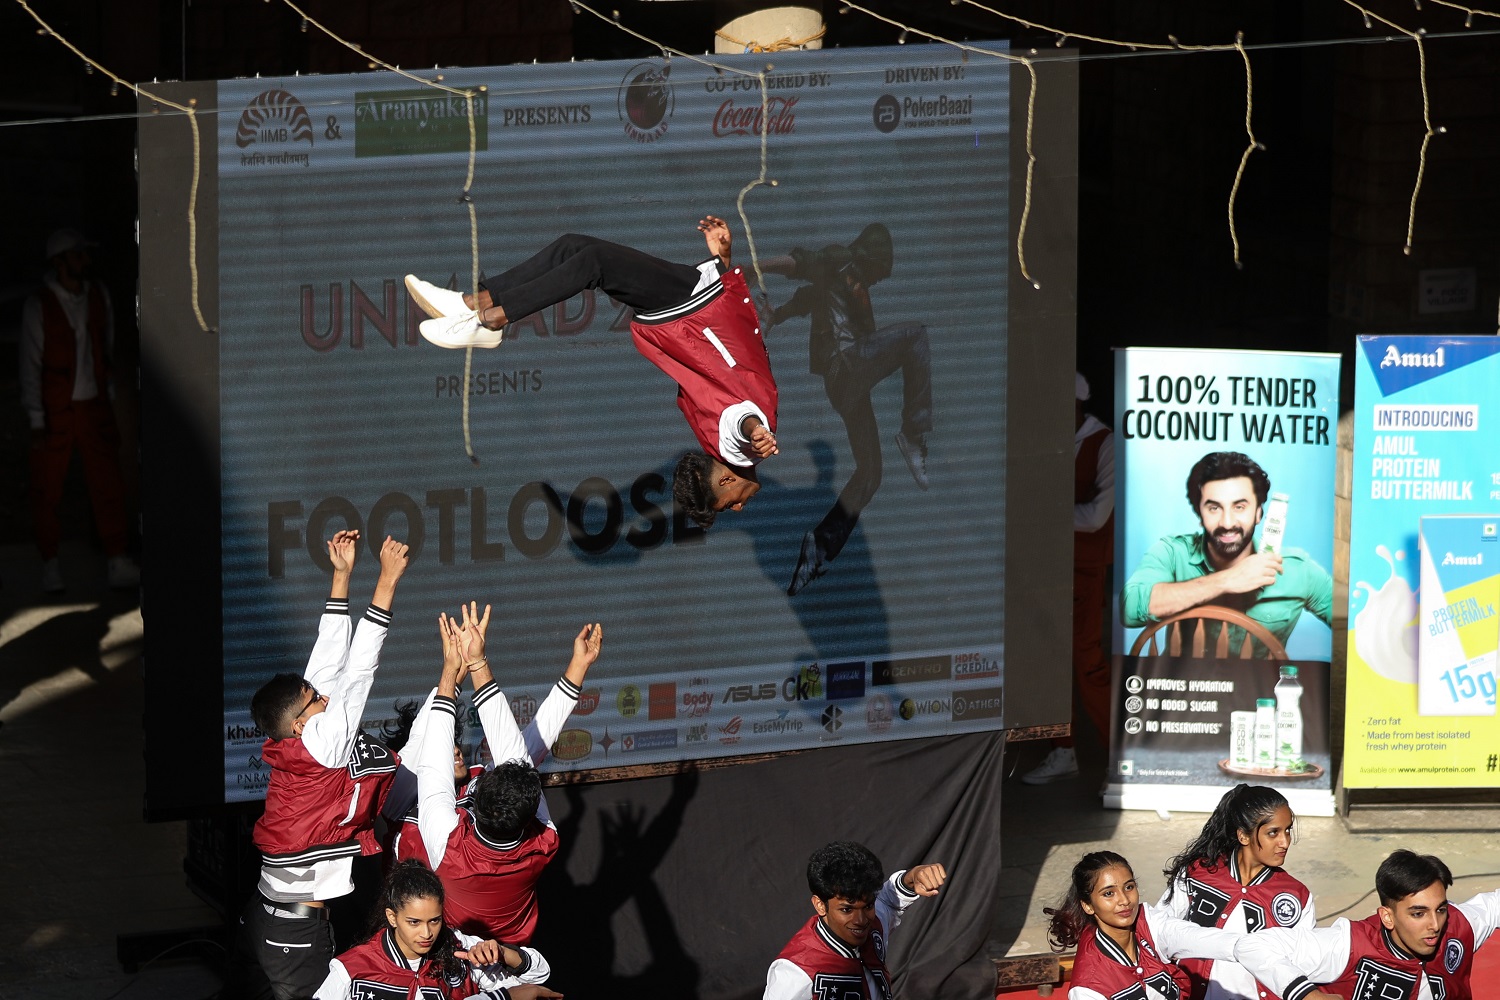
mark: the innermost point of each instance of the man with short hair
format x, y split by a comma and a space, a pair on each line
841, 949
695, 323
328, 781
67, 336
491, 853
1221, 565
1416, 946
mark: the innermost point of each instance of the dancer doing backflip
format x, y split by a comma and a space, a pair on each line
695, 323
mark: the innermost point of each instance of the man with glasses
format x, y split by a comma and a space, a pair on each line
328, 780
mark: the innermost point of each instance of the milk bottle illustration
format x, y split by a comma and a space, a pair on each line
1288, 719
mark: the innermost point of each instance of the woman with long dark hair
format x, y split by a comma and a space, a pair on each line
1231, 877
411, 951
1125, 948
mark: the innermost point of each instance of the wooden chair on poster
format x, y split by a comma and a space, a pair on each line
1194, 622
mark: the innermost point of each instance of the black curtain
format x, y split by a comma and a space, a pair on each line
688, 886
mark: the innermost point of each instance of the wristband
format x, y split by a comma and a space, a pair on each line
483, 659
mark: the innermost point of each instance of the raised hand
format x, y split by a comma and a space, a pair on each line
586, 646
393, 558
342, 549
716, 234
473, 631
925, 880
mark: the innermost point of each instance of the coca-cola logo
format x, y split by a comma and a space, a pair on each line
780, 117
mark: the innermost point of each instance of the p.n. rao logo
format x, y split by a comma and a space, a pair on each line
646, 101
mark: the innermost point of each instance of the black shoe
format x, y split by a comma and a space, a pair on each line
915, 453
810, 565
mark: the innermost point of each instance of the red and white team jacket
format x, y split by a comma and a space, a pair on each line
1102, 970
1213, 897
1361, 959
712, 348
376, 970
327, 786
818, 965
490, 886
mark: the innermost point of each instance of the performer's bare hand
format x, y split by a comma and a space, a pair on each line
483, 953
342, 549
763, 442
925, 880
473, 631
586, 646
716, 233
393, 559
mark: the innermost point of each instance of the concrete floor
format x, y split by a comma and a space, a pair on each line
82, 866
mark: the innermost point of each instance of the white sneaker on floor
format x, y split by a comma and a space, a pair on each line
122, 573
1060, 763
460, 333
437, 302
52, 578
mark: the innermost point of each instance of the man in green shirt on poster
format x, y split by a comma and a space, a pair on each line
1221, 565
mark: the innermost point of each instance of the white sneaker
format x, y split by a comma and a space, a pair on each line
52, 578
437, 302
122, 573
1060, 763
460, 333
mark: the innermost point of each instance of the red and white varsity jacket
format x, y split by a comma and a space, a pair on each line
818, 965
1102, 970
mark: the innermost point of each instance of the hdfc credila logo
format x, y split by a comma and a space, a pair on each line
273, 118
646, 101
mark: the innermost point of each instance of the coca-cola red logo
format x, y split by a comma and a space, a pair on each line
587, 702
780, 117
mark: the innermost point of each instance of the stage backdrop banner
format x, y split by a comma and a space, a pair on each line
335, 413
1219, 678
1420, 707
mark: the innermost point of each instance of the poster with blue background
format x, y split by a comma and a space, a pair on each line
1223, 592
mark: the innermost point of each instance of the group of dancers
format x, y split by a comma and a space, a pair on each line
1234, 925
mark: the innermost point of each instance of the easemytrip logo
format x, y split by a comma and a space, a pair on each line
779, 725
274, 118
981, 703
646, 101
412, 122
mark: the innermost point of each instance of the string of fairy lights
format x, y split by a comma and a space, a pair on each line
1029, 60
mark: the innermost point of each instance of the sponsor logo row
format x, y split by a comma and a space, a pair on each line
275, 128
878, 714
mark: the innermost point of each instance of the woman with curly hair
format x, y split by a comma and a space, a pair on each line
412, 953
1231, 877
1125, 948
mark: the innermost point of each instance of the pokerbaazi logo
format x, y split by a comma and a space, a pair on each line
646, 101
273, 118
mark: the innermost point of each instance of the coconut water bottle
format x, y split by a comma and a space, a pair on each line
1265, 733
1288, 718
1274, 529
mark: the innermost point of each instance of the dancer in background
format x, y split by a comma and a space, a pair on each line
696, 323
1231, 877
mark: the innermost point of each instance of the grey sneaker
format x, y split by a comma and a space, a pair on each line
1060, 763
915, 453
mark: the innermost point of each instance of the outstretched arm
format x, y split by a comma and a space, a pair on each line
554, 710
330, 654
495, 718
437, 813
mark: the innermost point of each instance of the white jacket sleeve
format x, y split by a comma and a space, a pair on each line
1084, 993
1183, 939
329, 736
786, 981
330, 653
1177, 906
336, 984
437, 811
1483, 912
500, 729
891, 901
1294, 962
542, 731
533, 970
1091, 516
